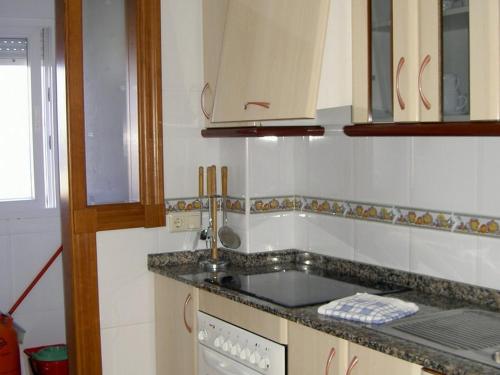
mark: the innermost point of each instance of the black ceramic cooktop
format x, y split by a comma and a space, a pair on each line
289, 288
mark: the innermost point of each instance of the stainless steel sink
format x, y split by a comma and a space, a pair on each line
472, 334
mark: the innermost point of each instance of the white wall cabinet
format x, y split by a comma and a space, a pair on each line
176, 305
271, 60
443, 60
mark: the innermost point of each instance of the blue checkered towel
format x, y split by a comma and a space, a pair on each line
368, 308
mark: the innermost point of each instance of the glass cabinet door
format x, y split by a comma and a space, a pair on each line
455, 79
426, 60
381, 61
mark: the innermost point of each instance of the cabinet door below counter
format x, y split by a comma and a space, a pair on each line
363, 361
315, 353
176, 307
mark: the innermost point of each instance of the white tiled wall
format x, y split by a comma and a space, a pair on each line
271, 166
445, 174
381, 169
456, 174
382, 244
26, 244
126, 300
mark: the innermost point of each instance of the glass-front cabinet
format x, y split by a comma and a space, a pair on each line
426, 61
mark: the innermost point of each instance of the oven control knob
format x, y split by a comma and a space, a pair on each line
254, 358
236, 349
244, 354
202, 335
264, 363
219, 340
227, 346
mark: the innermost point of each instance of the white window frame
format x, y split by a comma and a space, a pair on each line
41, 60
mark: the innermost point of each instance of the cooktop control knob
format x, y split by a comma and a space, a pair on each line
219, 340
264, 363
202, 335
227, 346
254, 358
236, 349
244, 354
496, 357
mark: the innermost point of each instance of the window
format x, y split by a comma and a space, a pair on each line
27, 155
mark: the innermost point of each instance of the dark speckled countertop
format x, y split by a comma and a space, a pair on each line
431, 294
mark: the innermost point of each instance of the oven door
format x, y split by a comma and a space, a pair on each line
212, 363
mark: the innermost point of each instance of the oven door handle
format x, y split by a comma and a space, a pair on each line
222, 365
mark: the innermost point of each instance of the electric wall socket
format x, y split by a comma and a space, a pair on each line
184, 221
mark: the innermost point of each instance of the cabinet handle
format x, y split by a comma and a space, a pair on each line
424, 64
186, 302
402, 104
261, 104
202, 101
329, 361
353, 364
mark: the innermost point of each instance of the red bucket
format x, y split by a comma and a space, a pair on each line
47, 367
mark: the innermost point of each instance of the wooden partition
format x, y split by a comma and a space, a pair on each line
80, 220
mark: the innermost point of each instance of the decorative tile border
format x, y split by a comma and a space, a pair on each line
186, 204
275, 204
396, 215
233, 204
413, 217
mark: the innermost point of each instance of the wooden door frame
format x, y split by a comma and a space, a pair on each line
80, 222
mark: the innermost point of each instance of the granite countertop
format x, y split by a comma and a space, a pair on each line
430, 294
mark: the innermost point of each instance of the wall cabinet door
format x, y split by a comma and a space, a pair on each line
176, 306
271, 60
443, 57
315, 353
405, 60
417, 61
364, 361
214, 22
485, 56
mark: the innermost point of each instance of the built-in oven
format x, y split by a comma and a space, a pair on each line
225, 349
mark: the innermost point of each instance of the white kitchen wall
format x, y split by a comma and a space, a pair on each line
27, 241
453, 174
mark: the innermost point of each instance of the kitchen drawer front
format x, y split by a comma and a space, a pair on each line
249, 318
